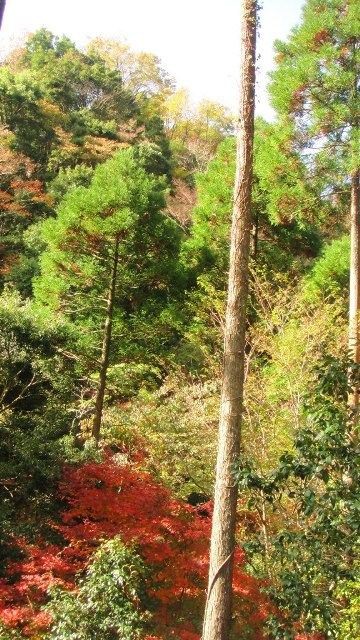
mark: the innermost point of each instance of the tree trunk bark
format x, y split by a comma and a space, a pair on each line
104, 363
354, 303
2, 9
217, 617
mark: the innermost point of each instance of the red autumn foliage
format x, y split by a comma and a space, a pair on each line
104, 500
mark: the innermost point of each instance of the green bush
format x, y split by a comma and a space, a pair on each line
107, 604
349, 594
313, 497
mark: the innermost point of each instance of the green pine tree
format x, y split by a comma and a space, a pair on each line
316, 88
109, 266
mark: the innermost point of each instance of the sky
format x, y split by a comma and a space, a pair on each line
197, 40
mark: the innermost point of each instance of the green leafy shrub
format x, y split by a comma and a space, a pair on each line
107, 604
310, 538
349, 594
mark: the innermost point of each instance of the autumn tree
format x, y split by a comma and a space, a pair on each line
217, 617
63, 106
141, 72
110, 260
61, 113
195, 131
23, 201
70, 78
316, 88
21, 113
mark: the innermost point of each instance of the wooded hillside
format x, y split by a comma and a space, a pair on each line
116, 197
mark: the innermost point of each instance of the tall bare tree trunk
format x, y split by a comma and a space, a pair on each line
354, 304
104, 363
2, 9
217, 617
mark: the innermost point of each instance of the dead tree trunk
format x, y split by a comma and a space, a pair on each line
104, 363
217, 617
354, 304
2, 9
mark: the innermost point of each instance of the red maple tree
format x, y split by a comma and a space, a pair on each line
108, 499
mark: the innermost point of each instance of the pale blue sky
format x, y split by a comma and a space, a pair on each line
197, 40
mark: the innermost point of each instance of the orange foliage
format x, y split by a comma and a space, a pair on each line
105, 500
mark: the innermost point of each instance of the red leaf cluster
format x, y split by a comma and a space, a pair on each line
105, 500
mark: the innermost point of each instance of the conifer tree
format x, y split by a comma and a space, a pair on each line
110, 256
316, 87
217, 618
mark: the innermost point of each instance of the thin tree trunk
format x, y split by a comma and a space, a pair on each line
104, 364
217, 617
354, 304
2, 9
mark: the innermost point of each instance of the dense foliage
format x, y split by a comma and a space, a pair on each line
115, 205
162, 592
318, 485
